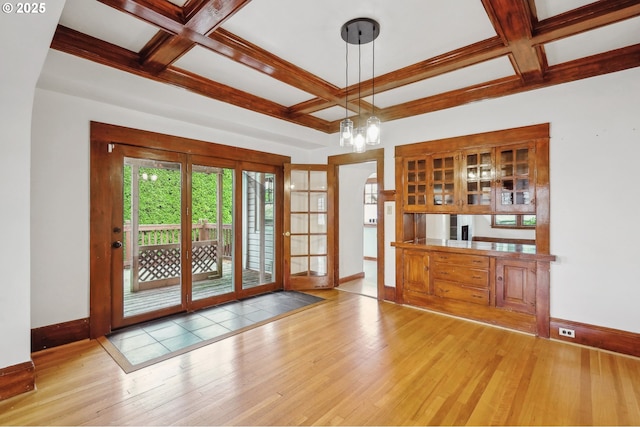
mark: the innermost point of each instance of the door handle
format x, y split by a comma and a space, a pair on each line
117, 244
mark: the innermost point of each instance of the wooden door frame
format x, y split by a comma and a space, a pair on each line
334, 163
102, 135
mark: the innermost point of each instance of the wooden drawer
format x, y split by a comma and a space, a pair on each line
462, 274
470, 261
446, 289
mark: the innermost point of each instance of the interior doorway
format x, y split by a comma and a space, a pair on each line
360, 226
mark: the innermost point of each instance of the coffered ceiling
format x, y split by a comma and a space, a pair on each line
286, 59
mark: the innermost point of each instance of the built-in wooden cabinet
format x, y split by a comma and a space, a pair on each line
495, 281
516, 285
461, 277
416, 273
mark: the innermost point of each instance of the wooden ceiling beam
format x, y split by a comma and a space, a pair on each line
586, 18
595, 65
158, 55
73, 42
513, 22
469, 55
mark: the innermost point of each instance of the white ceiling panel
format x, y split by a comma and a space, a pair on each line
307, 33
549, 8
213, 66
600, 40
180, 3
469, 76
105, 23
332, 114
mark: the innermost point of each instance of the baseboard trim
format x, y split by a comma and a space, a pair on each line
389, 293
597, 336
350, 278
59, 334
17, 379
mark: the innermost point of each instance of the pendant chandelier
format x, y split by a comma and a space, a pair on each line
360, 31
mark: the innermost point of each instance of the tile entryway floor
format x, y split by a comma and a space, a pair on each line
159, 338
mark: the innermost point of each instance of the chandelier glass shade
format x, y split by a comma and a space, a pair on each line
358, 32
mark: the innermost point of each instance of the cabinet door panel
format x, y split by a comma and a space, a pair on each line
515, 186
516, 285
416, 271
477, 180
443, 174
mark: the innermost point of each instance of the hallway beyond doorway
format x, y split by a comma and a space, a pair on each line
367, 285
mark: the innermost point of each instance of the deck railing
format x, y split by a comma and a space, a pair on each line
165, 234
158, 254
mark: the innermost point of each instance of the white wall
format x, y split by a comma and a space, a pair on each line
24, 41
594, 147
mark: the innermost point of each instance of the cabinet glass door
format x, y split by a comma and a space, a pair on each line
416, 183
477, 175
515, 185
443, 175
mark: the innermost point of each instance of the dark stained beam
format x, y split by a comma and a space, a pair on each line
221, 42
87, 47
208, 16
586, 18
450, 61
596, 65
512, 20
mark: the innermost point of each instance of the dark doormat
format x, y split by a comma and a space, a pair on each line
142, 345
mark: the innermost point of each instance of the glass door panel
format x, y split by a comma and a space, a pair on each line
306, 221
258, 233
152, 255
212, 232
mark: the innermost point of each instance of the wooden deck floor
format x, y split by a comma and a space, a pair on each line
167, 296
348, 361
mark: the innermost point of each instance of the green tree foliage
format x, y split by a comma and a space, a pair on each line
159, 195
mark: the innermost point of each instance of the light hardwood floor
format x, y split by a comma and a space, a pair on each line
350, 360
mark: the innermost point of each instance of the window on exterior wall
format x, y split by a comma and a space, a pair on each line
371, 193
513, 221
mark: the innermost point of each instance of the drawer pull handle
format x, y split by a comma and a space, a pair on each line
500, 278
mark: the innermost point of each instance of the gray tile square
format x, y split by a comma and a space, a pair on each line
146, 353
170, 331
181, 341
196, 323
258, 316
134, 342
237, 323
220, 315
211, 332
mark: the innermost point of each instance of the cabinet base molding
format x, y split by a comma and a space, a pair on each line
597, 336
504, 318
59, 334
389, 293
17, 379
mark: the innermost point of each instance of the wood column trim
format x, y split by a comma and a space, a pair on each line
17, 379
610, 339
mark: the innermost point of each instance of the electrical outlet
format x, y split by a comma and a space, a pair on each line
569, 333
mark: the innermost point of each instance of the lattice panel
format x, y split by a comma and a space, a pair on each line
204, 258
160, 262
